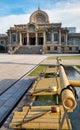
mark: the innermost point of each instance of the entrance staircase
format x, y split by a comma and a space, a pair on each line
29, 50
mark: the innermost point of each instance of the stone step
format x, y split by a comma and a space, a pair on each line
29, 50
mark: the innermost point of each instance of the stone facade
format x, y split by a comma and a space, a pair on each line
52, 37
3, 42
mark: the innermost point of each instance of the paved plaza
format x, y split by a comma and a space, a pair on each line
13, 67
65, 62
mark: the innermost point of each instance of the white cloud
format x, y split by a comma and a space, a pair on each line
67, 17
66, 13
9, 21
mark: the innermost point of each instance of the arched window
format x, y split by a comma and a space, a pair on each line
40, 18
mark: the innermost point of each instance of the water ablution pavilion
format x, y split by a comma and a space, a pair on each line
40, 36
52, 97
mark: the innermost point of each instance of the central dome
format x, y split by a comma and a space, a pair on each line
39, 17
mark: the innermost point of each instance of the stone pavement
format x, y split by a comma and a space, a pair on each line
9, 99
13, 67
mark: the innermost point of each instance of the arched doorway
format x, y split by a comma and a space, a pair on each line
32, 38
24, 39
40, 40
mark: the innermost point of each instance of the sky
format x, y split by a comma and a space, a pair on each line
14, 12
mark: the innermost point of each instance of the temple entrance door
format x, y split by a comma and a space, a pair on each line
40, 40
32, 40
24, 40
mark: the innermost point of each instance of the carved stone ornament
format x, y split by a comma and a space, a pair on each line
39, 17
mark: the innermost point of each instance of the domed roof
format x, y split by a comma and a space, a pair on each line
39, 17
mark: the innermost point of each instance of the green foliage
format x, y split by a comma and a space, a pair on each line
65, 57
37, 71
47, 100
78, 66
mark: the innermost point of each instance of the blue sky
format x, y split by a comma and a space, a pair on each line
18, 12
9, 7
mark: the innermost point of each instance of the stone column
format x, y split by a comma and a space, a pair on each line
59, 37
20, 43
10, 41
66, 38
36, 35
27, 38
52, 37
59, 46
44, 42
74, 42
16, 37
44, 36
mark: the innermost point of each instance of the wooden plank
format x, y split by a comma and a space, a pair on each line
45, 93
45, 120
19, 113
26, 108
40, 126
44, 83
50, 70
17, 120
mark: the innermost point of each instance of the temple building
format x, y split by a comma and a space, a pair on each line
41, 36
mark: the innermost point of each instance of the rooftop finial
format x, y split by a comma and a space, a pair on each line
39, 6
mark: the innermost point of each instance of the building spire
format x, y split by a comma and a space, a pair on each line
39, 6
